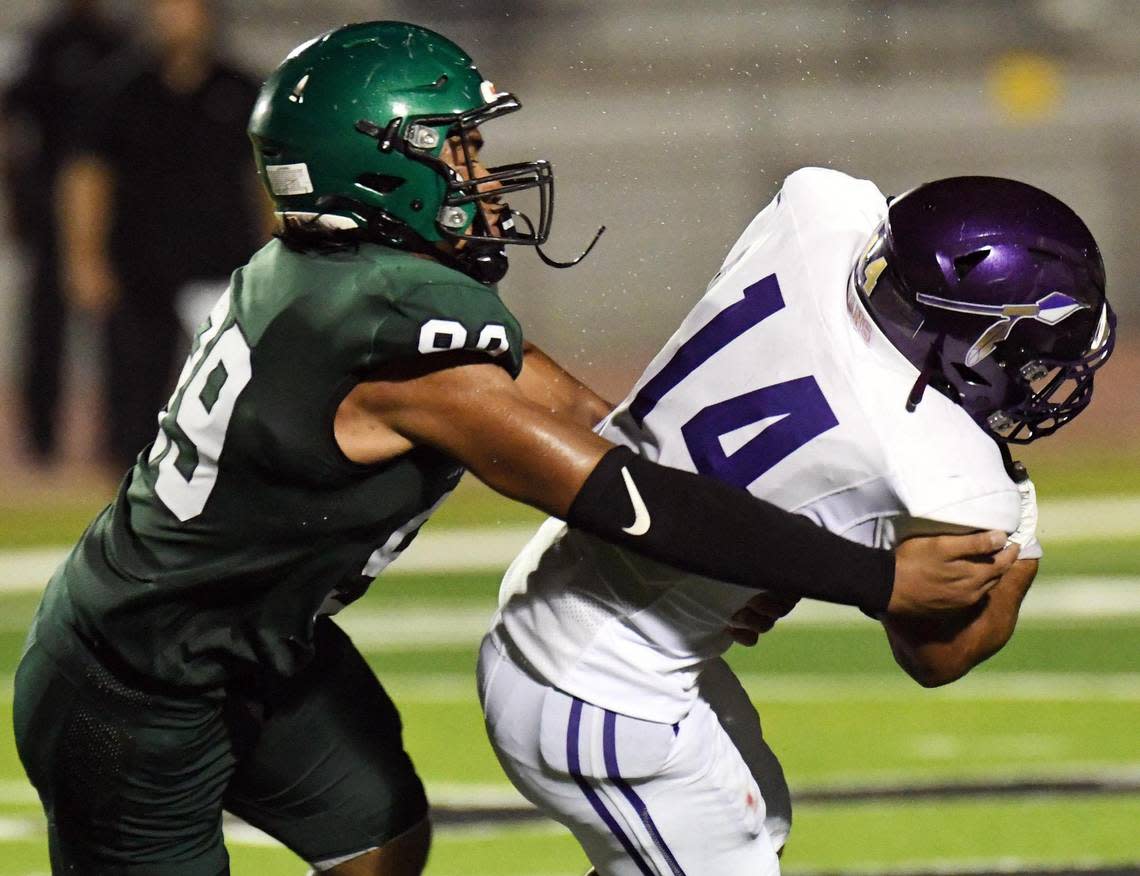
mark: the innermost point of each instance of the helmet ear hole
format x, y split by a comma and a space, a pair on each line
969, 375
964, 264
381, 183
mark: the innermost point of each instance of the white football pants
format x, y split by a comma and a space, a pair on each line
703, 797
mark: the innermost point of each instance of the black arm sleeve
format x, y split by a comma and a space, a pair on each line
710, 528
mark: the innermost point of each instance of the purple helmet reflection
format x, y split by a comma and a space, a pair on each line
994, 290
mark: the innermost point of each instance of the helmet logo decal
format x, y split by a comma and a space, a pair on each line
289, 179
871, 274
1052, 309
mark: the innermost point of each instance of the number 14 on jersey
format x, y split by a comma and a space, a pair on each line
791, 413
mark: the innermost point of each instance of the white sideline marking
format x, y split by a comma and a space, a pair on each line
491, 548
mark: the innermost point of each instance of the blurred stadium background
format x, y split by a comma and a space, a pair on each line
672, 123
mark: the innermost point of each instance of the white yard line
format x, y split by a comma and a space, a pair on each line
458, 688
983, 686
491, 548
401, 627
466, 549
1092, 517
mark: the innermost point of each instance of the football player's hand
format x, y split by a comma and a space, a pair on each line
948, 572
758, 617
92, 286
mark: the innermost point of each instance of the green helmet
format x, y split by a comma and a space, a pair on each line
349, 130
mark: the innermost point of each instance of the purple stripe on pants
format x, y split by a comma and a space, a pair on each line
609, 748
576, 771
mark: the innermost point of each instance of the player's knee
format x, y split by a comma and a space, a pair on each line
405, 855
413, 850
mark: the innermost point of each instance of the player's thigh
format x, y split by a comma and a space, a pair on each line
722, 691
131, 782
329, 776
640, 796
657, 804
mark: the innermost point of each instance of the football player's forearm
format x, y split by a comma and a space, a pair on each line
546, 383
938, 651
477, 415
703, 526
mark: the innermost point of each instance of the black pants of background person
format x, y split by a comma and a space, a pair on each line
41, 380
143, 343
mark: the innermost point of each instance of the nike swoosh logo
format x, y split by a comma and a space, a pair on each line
641, 519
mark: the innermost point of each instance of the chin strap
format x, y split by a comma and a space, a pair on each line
547, 260
1014, 468
483, 261
930, 367
556, 264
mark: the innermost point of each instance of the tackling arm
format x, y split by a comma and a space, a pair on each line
938, 650
545, 383
469, 408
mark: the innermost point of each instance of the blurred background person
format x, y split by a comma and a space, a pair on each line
672, 121
38, 118
157, 206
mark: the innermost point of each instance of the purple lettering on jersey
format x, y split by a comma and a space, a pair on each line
760, 301
800, 403
804, 414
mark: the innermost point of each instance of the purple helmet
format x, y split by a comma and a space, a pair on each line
994, 290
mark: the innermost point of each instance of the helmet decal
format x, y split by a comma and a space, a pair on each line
872, 273
1052, 309
289, 179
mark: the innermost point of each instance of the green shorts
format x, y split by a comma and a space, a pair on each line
134, 781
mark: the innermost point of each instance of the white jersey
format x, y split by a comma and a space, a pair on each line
779, 382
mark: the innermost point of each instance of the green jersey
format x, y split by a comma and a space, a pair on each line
244, 521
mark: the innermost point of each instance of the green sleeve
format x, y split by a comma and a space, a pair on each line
437, 317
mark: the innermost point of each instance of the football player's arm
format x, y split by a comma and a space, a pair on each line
938, 650
471, 409
546, 383
83, 215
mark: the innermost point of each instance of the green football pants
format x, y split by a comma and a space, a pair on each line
134, 782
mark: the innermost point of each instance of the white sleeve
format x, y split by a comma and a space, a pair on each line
945, 469
996, 510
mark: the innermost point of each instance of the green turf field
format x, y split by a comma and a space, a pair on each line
1062, 702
